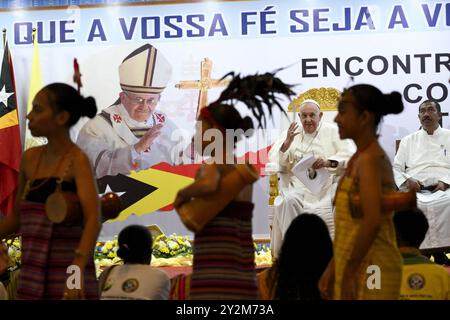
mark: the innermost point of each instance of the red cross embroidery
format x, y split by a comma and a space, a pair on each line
160, 117
117, 118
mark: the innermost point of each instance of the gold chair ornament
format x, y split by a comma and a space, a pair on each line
326, 97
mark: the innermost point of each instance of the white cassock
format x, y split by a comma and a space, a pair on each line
324, 143
109, 141
426, 158
136, 282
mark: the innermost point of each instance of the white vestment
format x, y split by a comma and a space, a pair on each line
109, 142
324, 143
136, 281
426, 158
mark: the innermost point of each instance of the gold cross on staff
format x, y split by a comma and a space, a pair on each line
204, 84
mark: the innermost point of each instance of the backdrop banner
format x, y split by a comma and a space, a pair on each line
395, 46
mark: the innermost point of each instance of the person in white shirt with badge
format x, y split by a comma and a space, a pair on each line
131, 134
135, 279
422, 163
322, 140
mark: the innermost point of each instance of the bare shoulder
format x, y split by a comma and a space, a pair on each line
368, 158
31, 155
373, 159
80, 158
373, 154
30, 152
79, 154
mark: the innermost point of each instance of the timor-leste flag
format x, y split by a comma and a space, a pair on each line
10, 145
154, 189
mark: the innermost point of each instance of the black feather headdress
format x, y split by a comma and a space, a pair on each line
255, 91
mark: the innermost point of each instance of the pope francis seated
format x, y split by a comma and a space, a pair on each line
311, 136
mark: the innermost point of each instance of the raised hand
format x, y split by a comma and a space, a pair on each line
291, 133
148, 138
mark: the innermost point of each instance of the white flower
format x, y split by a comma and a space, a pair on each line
161, 243
172, 245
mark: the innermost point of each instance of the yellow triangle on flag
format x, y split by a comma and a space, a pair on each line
35, 86
168, 185
8, 120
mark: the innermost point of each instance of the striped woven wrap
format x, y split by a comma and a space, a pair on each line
180, 286
224, 262
47, 250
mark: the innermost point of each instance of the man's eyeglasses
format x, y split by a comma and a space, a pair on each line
137, 100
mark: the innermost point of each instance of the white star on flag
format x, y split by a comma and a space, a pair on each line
4, 96
108, 189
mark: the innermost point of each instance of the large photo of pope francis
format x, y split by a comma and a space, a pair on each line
139, 143
132, 133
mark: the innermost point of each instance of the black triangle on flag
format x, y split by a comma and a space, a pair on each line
133, 189
7, 99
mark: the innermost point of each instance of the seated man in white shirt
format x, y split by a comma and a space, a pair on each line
321, 139
135, 279
422, 163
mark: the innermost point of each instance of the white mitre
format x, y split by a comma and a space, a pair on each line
145, 70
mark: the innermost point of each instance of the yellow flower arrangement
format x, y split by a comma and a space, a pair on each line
171, 246
173, 250
105, 255
263, 255
106, 250
14, 251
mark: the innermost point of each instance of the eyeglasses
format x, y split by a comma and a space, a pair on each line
137, 100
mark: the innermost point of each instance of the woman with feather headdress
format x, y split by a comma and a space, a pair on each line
223, 266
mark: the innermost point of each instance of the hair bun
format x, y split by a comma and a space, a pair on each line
394, 103
89, 108
123, 253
